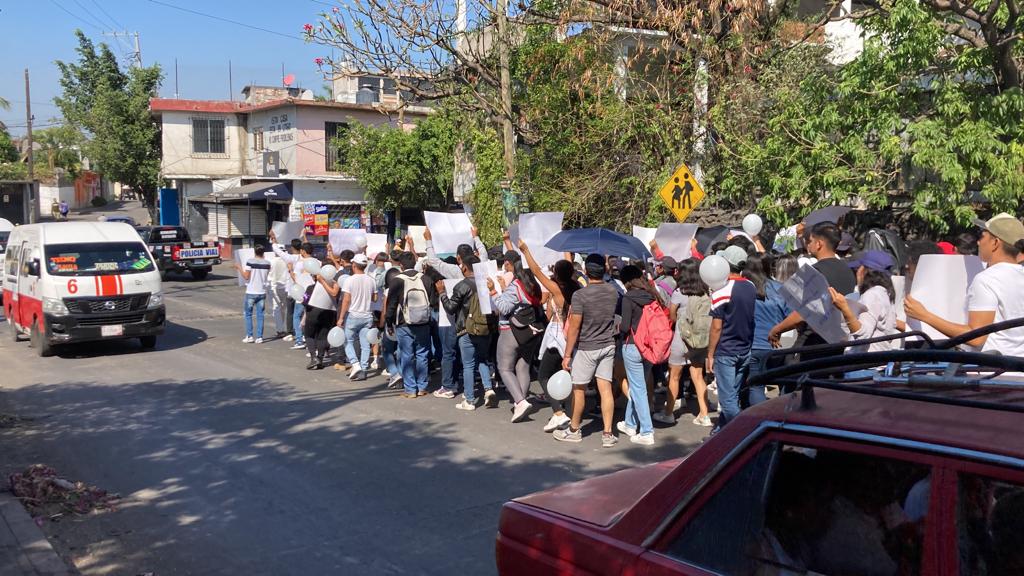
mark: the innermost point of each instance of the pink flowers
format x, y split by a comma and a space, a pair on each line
335, 10
308, 28
319, 61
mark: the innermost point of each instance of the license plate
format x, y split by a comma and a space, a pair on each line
189, 253
199, 261
115, 330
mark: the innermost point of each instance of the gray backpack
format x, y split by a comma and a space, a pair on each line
694, 325
415, 304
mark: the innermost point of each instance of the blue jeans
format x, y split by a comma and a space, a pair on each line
638, 410
435, 338
414, 346
474, 350
759, 363
389, 350
297, 322
448, 349
254, 302
730, 374
357, 327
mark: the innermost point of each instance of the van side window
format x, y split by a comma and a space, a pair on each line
798, 510
13, 256
990, 525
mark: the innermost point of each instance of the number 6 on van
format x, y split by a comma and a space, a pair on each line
72, 286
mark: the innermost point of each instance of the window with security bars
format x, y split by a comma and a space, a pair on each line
333, 158
208, 136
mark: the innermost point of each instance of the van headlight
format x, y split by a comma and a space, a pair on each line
55, 306
156, 299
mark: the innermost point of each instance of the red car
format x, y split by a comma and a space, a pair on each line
919, 470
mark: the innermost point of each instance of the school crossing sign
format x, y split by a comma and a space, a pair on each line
682, 193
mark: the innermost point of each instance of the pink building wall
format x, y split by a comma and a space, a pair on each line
310, 146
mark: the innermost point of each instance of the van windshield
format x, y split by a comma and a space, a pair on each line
98, 259
4, 236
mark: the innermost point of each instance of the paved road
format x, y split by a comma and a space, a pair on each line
233, 459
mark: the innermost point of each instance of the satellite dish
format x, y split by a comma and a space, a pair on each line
289, 79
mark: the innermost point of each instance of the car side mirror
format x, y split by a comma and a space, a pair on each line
33, 268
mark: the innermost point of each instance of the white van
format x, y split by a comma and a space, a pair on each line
5, 233
68, 282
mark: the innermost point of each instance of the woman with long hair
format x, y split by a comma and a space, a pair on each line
677, 360
694, 318
560, 286
639, 293
875, 313
522, 291
769, 309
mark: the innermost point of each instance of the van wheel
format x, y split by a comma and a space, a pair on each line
200, 273
42, 346
148, 342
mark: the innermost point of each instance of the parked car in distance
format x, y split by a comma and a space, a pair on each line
916, 470
119, 218
174, 251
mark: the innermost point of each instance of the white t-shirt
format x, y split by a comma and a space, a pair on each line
259, 272
1000, 288
320, 298
360, 287
878, 318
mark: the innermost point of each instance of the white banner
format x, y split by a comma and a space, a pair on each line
807, 293
675, 239
644, 235
419, 242
353, 239
481, 272
285, 232
536, 229
443, 319
243, 255
447, 231
375, 244
940, 285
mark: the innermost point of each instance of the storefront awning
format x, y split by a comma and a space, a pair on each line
256, 192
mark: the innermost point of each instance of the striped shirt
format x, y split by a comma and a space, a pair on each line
259, 273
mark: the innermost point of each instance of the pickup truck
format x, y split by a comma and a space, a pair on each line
174, 251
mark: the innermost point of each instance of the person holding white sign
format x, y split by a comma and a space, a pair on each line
876, 314
995, 294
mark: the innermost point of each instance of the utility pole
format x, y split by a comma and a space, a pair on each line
510, 198
137, 55
31, 201
175, 78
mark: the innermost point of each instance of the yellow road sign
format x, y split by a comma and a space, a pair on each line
682, 193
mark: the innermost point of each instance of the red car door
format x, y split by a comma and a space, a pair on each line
796, 504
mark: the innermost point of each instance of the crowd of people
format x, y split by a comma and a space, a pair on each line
628, 328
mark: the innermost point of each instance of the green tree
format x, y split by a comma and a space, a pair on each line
8, 151
59, 148
111, 108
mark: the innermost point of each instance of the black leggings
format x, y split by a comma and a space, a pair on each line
318, 323
550, 363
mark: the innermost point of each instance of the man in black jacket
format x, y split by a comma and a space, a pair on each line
473, 347
408, 313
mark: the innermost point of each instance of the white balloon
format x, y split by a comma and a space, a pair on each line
312, 266
360, 243
328, 271
714, 271
560, 385
373, 336
336, 337
296, 293
752, 224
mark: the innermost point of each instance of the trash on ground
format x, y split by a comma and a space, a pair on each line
47, 495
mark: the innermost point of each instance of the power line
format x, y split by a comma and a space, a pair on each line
89, 13
228, 20
75, 16
111, 18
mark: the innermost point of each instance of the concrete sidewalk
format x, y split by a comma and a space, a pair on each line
24, 550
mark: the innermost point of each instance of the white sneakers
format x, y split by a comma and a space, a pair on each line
519, 410
373, 363
259, 341
247, 340
556, 422
704, 421
646, 439
490, 399
288, 338
464, 405
625, 429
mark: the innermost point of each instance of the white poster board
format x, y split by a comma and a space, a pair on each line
481, 272
644, 235
443, 319
353, 239
675, 239
285, 232
537, 229
806, 292
940, 285
419, 242
375, 244
899, 286
447, 231
243, 255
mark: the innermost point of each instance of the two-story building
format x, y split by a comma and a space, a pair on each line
238, 166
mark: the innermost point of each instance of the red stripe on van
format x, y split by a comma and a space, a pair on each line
108, 286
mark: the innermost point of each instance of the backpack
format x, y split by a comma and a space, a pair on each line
415, 303
653, 335
527, 321
695, 325
477, 323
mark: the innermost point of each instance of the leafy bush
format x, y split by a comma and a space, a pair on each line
98, 201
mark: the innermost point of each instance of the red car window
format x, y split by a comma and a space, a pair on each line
990, 525
798, 510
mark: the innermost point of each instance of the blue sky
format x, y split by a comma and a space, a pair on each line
38, 32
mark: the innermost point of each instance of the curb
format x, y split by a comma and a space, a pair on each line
22, 538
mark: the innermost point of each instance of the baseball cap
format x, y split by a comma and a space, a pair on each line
734, 255
669, 263
1003, 226
872, 260
947, 248
845, 242
360, 259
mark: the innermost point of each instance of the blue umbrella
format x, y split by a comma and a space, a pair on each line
599, 241
828, 214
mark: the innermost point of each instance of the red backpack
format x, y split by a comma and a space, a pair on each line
653, 336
